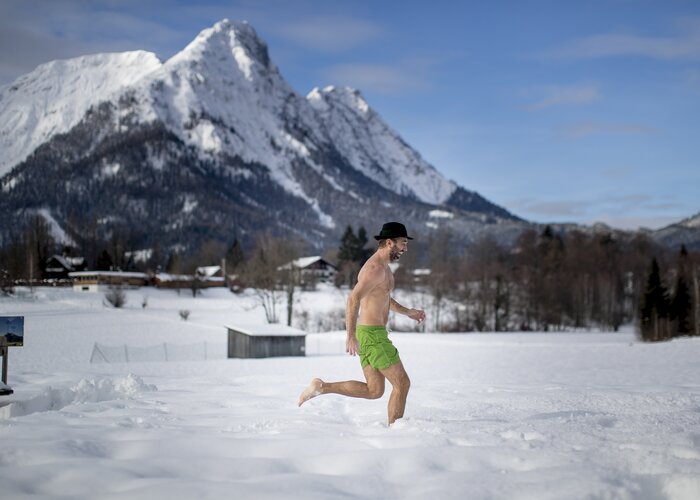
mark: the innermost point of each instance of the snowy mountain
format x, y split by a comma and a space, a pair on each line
374, 149
685, 232
691, 222
211, 143
54, 98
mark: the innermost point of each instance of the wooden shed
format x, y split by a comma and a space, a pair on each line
265, 341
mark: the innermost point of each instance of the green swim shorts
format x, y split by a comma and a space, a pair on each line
375, 347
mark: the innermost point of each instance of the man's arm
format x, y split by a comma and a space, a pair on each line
370, 278
351, 311
415, 314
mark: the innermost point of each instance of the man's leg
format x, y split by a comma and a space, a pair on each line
372, 389
397, 376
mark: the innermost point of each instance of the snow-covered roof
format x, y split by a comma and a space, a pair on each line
267, 330
173, 277
120, 274
208, 271
68, 262
63, 261
164, 277
304, 262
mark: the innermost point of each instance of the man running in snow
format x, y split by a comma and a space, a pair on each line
379, 359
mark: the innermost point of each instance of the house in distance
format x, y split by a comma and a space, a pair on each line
57, 267
312, 270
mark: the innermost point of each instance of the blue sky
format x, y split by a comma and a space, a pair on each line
560, 111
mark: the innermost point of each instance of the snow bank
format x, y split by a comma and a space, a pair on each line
85, 391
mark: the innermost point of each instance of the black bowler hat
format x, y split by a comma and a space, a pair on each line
392, 230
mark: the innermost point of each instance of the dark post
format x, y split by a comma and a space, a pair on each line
3, 352
6, 391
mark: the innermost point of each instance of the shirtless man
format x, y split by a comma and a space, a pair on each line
379, 359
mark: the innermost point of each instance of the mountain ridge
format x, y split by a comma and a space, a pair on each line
214, 142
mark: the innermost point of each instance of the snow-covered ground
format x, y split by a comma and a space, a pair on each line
540, 416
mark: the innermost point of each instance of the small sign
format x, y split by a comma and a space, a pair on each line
12, 331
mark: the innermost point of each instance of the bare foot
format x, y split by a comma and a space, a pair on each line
312, 391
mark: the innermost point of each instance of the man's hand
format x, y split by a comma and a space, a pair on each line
416, 314
351, 346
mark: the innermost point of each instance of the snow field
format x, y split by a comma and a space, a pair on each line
585, 415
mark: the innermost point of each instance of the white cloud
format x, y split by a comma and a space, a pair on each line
556, 95
552, 208
330, 33
682, 45
32, 33
380, 78
691, 79
618, 173
583, 129
630, 211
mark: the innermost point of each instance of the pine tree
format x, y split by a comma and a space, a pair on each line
348, 245
362, 253
235, 255
654, 310
104, 261
681, 305
174, 265
351, 255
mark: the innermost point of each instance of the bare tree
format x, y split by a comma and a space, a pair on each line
289, 273
489, 280
116, 296
6, 284
263, 273
440, 282
39, 244
528, 279
696, 300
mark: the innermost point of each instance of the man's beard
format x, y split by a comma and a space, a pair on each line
395, 254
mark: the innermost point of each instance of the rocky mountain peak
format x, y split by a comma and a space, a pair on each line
227, 42
323, 99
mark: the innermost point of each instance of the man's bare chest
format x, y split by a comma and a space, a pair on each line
388, 283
